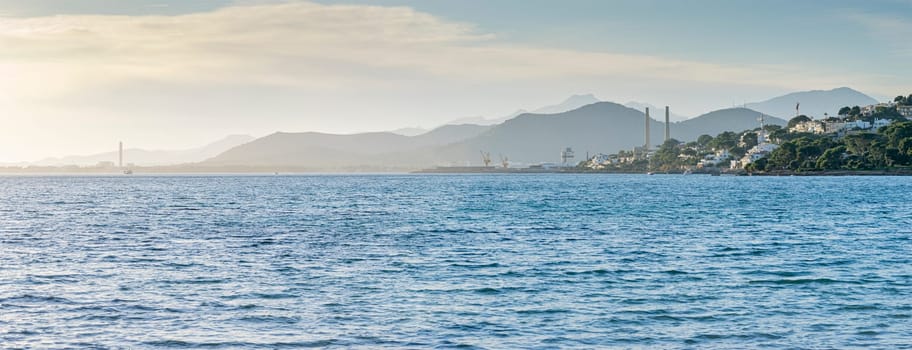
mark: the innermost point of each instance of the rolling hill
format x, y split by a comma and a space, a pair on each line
813, 103
526, 139
331, 151
601, 127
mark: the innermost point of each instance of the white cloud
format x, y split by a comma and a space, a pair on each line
892, 31
311, 45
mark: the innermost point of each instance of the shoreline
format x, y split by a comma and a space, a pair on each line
254, 171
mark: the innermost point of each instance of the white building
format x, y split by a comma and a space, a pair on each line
762, 149
712, 160
879, 123
811, 126
833, 126
858, 124
757, 152
869, 110
906, 111
601, 161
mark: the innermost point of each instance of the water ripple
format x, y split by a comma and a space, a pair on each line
469, 262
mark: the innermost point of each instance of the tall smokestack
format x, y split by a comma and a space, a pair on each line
647, 129
667, 125
120, 154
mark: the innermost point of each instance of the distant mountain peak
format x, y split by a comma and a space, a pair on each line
410, 131
582, 97
813, 103
569, 104
642, 105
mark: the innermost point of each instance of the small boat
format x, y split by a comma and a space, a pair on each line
650, 173
128, 172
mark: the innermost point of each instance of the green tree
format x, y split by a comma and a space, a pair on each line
895, 132
904, 151
704, 140
866, 150
797, 120
757, 165
783, 158
725, 140
845, 110
831, 159
749, 138
666, 157
859, 143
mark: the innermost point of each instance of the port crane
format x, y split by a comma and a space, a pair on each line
486, 158
504, 161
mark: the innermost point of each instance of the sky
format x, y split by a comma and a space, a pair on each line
77, 76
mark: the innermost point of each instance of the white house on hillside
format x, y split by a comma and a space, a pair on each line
906, 111
762, 149
811, 126
712, 160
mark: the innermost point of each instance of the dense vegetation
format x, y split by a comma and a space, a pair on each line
855, 113
889, 147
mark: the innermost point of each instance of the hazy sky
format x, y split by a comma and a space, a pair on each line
76, 76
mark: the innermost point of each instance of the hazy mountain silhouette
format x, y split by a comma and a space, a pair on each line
601, 127
486, 121
409, 131
640, 106
152, 157
813, 103
716, 122
529, 138
571, 103
330, 151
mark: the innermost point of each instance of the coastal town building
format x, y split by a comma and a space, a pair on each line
714, 159
879, 123
757, 152
905, 111
839, 126
811, 126
834, 125
763, 148
601, 161
868, 111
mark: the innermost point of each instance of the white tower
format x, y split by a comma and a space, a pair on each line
646, 146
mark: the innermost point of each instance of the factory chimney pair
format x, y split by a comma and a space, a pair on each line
667, 127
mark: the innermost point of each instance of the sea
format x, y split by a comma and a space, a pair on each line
509, 261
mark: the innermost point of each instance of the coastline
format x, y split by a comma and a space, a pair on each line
183, 170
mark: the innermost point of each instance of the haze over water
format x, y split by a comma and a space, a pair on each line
569, 261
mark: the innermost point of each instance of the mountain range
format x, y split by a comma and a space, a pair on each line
816, 104
581, 122
656, 112
529, 138
571, 103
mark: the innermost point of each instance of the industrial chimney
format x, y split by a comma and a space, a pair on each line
667, 125
646, 146
120, 154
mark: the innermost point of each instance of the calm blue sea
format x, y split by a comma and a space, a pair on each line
467, 261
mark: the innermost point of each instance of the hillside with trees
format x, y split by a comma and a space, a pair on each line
889, 147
